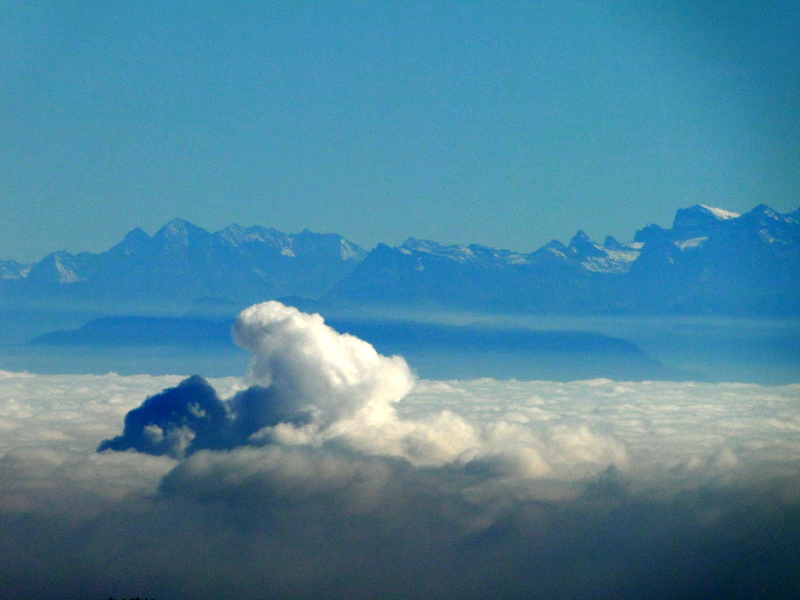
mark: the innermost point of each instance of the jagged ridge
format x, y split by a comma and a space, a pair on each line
710, 261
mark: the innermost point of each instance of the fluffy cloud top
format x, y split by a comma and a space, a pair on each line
313, 369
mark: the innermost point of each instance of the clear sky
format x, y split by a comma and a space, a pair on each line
500, 123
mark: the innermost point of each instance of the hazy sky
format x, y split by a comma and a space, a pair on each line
500, 123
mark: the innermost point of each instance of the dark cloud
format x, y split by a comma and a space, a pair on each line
190, 417
276, 522
258, 407
178, 421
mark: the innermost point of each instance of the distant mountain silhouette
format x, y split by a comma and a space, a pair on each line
711, 262
182, 263
434, 349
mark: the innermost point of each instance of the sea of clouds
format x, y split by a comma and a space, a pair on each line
330, 471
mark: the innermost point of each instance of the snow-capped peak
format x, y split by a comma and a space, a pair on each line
721, 213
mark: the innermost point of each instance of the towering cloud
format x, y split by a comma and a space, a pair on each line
313, 370
315, 387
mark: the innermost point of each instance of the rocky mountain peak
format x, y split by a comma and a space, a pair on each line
699, 219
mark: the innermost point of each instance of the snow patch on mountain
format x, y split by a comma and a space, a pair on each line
11, 269
462, 254
611, 257
691, 243
720, 213
349, 252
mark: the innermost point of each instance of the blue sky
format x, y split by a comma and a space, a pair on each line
500, 123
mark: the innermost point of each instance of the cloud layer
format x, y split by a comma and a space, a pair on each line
330, 472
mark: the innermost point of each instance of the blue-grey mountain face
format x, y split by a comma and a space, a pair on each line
463, 277
710, 262
182, 262
716, 262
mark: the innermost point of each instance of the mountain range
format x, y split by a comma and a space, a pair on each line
710, 262
182, 263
